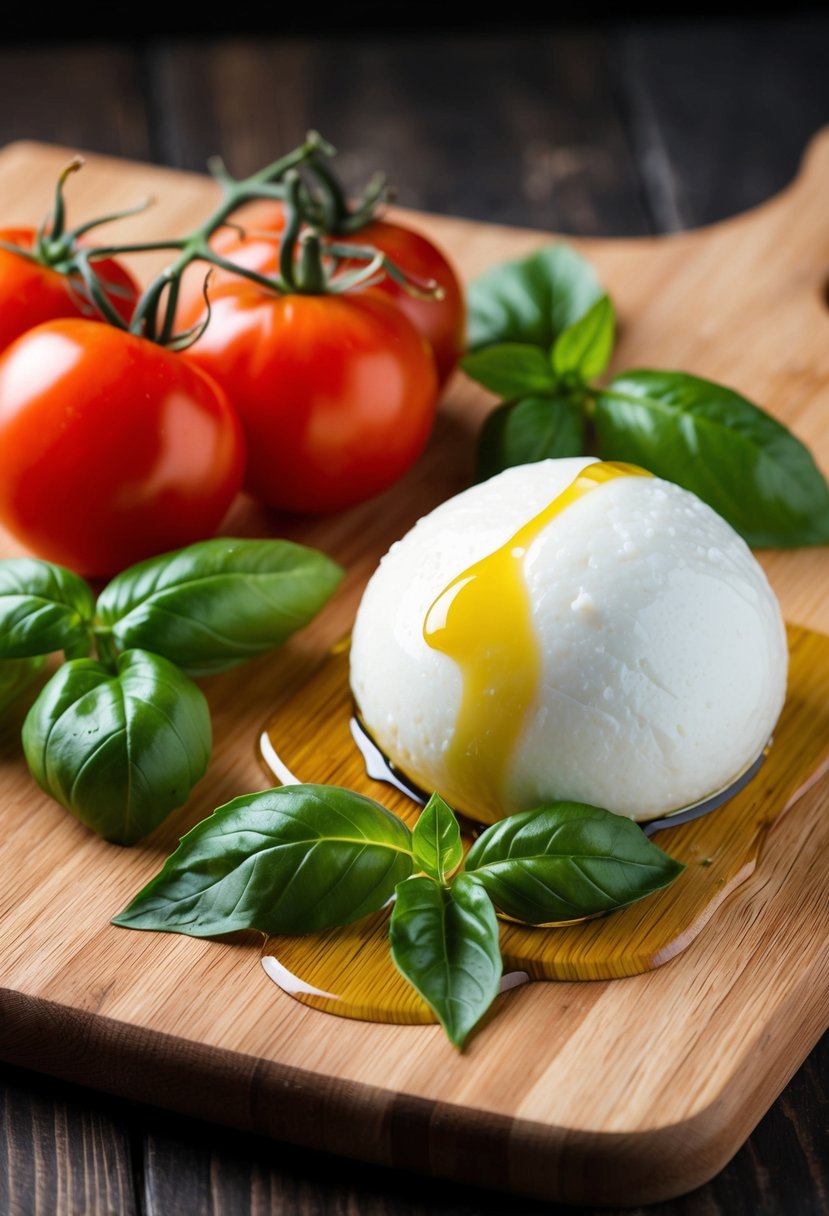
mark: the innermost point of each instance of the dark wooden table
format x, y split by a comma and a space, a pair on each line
616, 130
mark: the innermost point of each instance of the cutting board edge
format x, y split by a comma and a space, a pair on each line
465, 1144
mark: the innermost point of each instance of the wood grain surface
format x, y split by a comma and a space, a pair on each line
195, 1026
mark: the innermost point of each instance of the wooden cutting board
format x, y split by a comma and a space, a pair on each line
621, 1091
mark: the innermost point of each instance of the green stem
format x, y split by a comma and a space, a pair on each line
334, 216
293, 224
378, 261
96, 293
333, 204
111, 251
310, 279
50, 234
170, 312
261, 280
267, 183
376, 192
126, 214
18, 251
105, 647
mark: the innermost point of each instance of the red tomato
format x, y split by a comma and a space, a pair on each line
111, 448
442, 322
337, 394
31, 293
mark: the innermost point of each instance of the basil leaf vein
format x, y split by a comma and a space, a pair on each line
585, 347
511, 369
567, 860
445, 942
120, 749
436, 839
218, 603
291, 860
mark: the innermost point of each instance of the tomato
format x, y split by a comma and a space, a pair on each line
337, 393
442, 322
31, 293
111, 448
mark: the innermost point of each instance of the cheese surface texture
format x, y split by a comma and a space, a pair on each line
570, 630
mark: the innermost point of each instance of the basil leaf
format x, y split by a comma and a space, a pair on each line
511, 369
43, 608
709, 439
532, 300
289, 860
567, 860
16, 675
218, 603
445, 943
523, 432
585, 347
436, 839
121, 750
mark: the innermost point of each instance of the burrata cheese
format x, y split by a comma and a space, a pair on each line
570, 630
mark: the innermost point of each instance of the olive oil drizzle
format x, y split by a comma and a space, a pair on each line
482, 621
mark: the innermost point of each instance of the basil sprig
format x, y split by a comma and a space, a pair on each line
302, 858
120, 739
541, 332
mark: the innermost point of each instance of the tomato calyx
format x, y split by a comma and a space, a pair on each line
309, 264
328, 207
154, 315
60, 249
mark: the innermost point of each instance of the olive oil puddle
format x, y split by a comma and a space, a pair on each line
349, 971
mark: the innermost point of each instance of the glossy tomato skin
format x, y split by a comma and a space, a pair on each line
31, 294
337, 394
442, 322
111, 448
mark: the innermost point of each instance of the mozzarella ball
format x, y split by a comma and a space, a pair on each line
662, 654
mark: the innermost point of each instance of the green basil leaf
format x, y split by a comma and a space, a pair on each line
585, 347
121, 750
532, 300
43, 608
16, 675
522, 432
289, 860
444, 941
436, 839
709, 439
218, 603
511, 369
565, 861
